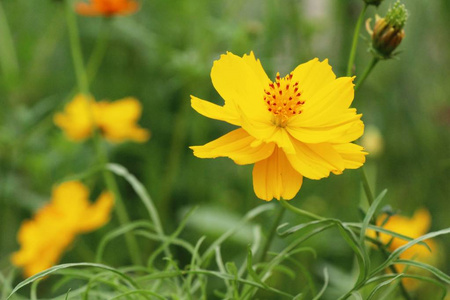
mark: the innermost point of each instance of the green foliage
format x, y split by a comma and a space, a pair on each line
163, 54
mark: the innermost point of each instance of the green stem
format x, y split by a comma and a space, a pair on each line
271, 235
83, 86
366, 73
8, 58
351, 59
75, 47
301, 212
370, 199
99, 51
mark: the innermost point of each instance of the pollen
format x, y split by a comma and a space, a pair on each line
283, 99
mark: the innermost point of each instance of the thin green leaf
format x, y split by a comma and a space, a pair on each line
381, 285
325, 285
438, 273
357, 295
248, 216
386, 231
397, 252
141, 191
139, 292
71, 265
116, 233
174, 235
418, 277
369, 215
67, 294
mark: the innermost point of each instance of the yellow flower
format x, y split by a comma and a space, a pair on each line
116, 120
413, 227
298, 125
76, 121
44, 238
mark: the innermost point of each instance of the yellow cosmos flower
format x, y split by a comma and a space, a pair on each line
116, 120
45, 237
298, 125
413, 227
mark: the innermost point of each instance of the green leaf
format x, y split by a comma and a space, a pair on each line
395, 254
438, 273
384, 283
370, 213
118, 232
71, 265
325, 285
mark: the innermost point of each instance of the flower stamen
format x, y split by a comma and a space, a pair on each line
283, 103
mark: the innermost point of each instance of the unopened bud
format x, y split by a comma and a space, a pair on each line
388, 32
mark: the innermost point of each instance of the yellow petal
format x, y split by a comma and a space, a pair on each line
312, 76
236, 145
353, 155
274, 177
97, 214
214, 111
77, 119
255, 65
238, 84
315, 161
325, 134
117, 120
328, 102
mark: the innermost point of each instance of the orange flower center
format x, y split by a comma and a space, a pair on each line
282, 98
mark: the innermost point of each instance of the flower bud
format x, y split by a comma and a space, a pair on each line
388, 32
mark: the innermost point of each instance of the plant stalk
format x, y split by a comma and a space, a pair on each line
83, 86
351, 59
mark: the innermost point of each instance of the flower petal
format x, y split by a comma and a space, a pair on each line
315, 161
240, 86
312, 76
353, 155
214, 111
336, 132
97, 214
236, 145
274, 177
256, 66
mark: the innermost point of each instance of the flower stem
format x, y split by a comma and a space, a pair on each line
83, 86
380, 245
366, 73
271, 235
300, 212
351, 59
75, 47
8, 59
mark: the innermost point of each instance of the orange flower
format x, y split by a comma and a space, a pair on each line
107, 8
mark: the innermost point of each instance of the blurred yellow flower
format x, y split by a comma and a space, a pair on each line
413, 227
116, 120
47, 235
298, 125
77, 121
107, 8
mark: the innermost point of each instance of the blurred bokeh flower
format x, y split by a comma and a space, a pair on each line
45, 237
413, 227
299, 125
116, 120
373, 141
107, 8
